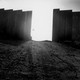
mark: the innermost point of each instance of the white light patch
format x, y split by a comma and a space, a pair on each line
41, 22
41, 25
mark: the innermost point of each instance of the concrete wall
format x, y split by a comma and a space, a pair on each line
66, 25
15, 25
27, 25
62, 25
76, 26
55, 33
1, 22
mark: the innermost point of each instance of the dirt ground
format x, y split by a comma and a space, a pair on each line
34, 60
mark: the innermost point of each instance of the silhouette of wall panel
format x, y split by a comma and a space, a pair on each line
76, 25
1, 22
68, 25
27, 28
79, 27
15, 25
11, 24
7, 23
62, 25
55, 25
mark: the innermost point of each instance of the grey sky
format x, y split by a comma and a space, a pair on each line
29, 4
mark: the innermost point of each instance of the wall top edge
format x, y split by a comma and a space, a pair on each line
57, 9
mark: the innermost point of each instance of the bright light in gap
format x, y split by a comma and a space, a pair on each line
41, 24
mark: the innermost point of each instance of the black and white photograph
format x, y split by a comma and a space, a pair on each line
39, 39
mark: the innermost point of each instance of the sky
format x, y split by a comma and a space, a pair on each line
42, 15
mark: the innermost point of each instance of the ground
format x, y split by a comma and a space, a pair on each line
35, 60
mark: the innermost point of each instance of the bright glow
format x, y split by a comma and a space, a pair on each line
42, 14
41, 21
41, 24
